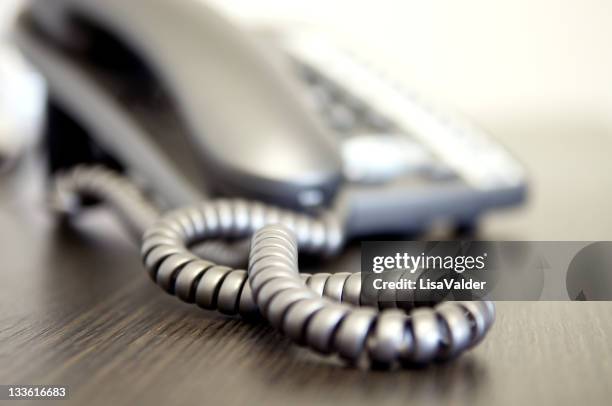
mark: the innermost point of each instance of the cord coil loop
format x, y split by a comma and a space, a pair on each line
321, 311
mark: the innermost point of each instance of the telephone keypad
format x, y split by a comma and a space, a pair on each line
407, 163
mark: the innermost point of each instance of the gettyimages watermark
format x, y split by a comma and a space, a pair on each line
423, 272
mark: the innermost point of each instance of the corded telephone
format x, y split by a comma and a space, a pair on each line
176, 97
195, 107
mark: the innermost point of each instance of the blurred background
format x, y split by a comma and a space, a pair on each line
21, 93
534, 75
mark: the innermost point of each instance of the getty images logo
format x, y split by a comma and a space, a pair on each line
412, 263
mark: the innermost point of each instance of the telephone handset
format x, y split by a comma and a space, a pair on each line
239, 108
193, 106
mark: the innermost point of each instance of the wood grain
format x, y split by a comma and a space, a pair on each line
76, 308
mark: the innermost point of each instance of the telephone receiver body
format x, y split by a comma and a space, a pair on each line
244, 124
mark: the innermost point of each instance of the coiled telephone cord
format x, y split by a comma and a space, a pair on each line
322, 311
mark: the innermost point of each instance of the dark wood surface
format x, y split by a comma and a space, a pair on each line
76, 309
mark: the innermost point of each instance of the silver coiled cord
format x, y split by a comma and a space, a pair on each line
320, 310
134, 209
70, 188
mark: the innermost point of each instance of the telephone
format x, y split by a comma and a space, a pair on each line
296, 145
182, 100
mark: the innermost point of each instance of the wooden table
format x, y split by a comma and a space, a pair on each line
77, 309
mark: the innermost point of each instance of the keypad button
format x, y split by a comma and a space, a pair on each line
341, 117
